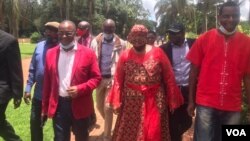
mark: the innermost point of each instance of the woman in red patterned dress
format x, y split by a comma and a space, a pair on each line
143, 92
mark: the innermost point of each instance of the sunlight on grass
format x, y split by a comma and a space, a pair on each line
20, 120
26, 49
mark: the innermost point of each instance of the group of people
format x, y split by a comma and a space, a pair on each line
153, 90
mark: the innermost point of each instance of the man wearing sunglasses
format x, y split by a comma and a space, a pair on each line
71, 74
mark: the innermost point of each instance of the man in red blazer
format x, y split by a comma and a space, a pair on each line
71, 74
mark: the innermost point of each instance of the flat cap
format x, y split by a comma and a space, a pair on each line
52, 24
176, 27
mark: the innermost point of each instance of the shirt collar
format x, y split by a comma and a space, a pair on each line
74, 48
104, 41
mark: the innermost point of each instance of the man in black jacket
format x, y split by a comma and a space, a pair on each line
176, 49
11, 82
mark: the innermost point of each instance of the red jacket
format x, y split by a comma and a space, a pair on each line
85, 75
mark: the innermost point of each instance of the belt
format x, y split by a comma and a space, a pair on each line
106, 76
66, 98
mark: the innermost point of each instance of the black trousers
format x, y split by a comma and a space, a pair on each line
35, 120
64, 122
180, 121
7, 132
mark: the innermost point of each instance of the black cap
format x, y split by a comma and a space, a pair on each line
176, 27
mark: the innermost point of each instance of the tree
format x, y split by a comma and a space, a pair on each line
10, 10
1, 15
171, 11
34, 14
91, 11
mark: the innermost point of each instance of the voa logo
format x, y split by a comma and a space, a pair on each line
236, 132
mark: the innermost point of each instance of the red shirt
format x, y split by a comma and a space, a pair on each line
223, 65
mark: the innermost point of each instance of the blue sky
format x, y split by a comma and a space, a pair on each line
149, 4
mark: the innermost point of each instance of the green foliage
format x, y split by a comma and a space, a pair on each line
245, 27
191, 35
244, 106
35, 37
198, 17
34, 14
97, 23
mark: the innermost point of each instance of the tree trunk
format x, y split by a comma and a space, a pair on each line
91, 5
249, 11
67, 10
106, 7
1, 15
15, 17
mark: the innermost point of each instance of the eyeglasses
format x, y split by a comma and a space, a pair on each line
67, 33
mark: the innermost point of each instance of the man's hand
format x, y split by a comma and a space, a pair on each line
27, 98
17, 102
116, 110
190, 109
72, 91
43, 119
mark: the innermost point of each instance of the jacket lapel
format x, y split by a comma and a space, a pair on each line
57, 59
170, 52
76, 60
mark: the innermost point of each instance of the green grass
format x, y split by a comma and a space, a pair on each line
20, 120
26, 50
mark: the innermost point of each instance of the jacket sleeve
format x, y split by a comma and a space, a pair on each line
46, 86
94, 46
32, 72
15, 69
114, 98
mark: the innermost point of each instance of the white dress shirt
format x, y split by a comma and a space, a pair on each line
181, 65
65, 65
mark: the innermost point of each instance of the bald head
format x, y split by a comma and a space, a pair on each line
108, 22
109, 26
67, 24
66, 32
83, 24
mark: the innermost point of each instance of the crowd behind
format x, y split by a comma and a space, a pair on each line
155, 89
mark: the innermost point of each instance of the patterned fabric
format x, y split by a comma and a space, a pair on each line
138, 35
144, 88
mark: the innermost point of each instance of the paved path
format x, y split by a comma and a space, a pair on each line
95, 134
